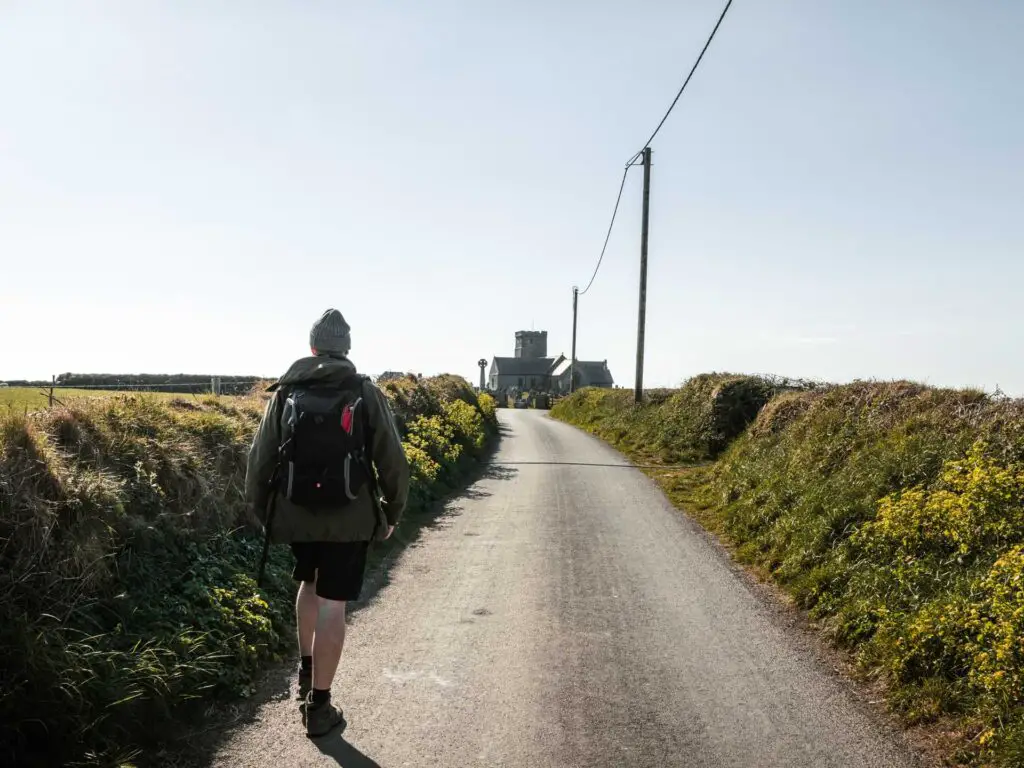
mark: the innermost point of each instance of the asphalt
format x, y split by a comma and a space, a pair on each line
563, 613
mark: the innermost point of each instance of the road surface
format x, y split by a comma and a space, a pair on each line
565, 614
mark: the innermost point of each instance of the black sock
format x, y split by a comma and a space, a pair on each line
319, 698
307, 664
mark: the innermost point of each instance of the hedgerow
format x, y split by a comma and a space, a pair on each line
126, 562
693, 423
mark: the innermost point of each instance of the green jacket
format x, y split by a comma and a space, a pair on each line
359, 520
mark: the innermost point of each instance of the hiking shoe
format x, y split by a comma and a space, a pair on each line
305, 686
323, 719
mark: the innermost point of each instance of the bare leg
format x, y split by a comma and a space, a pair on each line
306, 606
328, 641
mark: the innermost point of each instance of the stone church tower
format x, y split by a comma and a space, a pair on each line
531, 345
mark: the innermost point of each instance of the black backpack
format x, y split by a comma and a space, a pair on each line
323, 460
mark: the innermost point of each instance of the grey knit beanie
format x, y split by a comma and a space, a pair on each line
330, 334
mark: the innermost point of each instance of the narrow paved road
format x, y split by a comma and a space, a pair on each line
564, 614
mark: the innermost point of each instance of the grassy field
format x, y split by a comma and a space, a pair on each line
21, 399
892, 512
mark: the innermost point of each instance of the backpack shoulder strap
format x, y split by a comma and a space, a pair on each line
375, 492
367, 427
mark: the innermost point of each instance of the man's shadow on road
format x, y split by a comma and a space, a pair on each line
345, 754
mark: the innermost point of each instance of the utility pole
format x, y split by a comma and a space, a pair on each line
642, 321
572, 365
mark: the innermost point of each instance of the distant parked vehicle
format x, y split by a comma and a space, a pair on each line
3, 384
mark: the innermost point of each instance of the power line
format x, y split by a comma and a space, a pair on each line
611, 224
633, 159
685, 82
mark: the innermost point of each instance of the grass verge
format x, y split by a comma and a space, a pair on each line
127, 598
892, 512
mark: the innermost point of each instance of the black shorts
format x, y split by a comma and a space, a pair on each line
336, 567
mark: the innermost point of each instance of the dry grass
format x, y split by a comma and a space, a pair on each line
28, 399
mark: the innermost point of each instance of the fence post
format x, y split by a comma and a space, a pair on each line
53, 380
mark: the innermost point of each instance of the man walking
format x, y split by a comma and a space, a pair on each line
311, 480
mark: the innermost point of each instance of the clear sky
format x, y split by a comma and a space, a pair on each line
186, 186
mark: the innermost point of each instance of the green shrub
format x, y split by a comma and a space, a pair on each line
488, 408
410, 398
468, 423
435, 437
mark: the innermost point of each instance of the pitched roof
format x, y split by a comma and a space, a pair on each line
595, 373
522, 366
562, 367
590, 372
